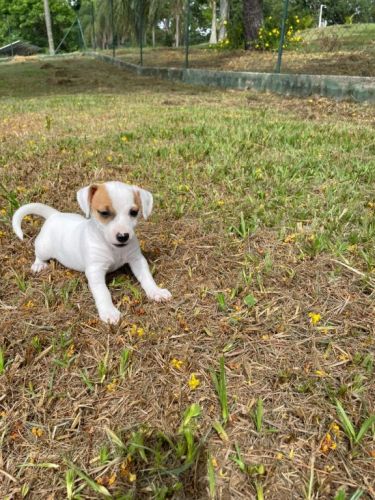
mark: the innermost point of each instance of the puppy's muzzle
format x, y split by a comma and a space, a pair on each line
122, 239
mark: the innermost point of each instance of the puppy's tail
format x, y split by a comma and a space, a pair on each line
32, 208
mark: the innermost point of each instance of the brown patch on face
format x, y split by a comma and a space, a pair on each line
101, 203
137, 200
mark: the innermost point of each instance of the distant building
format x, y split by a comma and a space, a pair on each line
19, 48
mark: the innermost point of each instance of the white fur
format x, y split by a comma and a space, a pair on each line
87, 245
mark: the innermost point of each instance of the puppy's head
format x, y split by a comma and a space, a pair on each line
115, 207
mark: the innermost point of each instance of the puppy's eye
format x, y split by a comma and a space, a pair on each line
133, 212
104, 213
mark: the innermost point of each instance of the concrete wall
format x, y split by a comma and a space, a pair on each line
355, 88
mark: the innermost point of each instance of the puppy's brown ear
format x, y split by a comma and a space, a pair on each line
84, 198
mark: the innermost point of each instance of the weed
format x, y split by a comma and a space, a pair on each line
354, 436
20, 281
221, 302
2, 360
341, 495
10, 197
258, 415
103, 368
220, 384
211, 476
93, 485
124, 362
86, 379
244, 228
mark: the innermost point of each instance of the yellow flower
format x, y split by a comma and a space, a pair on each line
193, 382
27, 218
124, 138
314, 318
2, 234
29, 305
136, 330
132, 477
327, 444
290, 238
70, 351
112, 386
279, 456
37, 432
109, 158
177, 363
320, 373
3, 211
335, 429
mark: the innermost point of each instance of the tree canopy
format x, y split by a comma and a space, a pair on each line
162, 20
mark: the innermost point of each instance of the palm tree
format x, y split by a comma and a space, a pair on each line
47, 16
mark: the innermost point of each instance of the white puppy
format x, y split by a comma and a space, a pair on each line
99, 244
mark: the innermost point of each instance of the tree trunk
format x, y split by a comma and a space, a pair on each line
213, 37
252, 20
153, 36
177, 35
224, 16
47, 16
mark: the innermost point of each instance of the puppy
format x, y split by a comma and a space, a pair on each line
100, 243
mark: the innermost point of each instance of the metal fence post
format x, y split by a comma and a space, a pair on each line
187, 22
113, 31
93, 25
141, 30
282, 36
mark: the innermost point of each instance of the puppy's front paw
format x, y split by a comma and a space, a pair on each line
159, 294
39, 266
110, 315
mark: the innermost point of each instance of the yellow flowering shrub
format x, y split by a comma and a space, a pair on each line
269, 34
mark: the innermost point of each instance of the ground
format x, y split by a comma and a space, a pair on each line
263, 230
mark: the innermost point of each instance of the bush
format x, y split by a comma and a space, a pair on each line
269, 34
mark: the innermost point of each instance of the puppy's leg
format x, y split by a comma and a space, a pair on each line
42, 254
107, 311
142, 272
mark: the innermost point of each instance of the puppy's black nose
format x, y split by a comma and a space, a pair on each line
122, 238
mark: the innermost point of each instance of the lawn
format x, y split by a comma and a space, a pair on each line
256, 380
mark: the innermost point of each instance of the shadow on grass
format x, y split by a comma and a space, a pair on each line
28, 78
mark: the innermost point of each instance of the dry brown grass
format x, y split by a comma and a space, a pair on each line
353, 63
272, 351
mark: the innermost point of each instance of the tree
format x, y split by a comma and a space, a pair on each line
252, 20
224, 15
47, 16
24, 19
213, 36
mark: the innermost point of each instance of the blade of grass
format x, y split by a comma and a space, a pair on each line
98, 488
114, 438
220, 430
69, 480
346, 422
258, 416
211, 477
220, 384
364, 428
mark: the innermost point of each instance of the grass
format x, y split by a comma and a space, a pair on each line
285, 304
